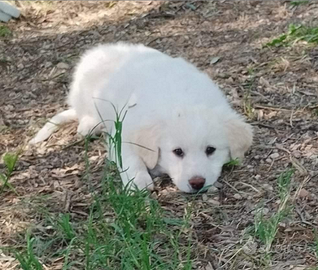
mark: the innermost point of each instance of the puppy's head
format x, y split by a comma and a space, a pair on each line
192, 146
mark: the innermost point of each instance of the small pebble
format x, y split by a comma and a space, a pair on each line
274, 155
154, 195
213, 189
250, 247
20, 122
204, 197
214, 202
164, 192
257, 177
9, 107
303, 193
63, 65
218, 184
48, 64
296, 154
268, 187
268, 160
237, 196
264, 211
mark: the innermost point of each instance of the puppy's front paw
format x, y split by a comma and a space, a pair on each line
88, 125
142, 181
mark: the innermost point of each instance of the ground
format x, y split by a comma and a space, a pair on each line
275, 87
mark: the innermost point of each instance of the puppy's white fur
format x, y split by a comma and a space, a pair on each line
169, 104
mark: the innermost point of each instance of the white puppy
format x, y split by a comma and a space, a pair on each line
177, 120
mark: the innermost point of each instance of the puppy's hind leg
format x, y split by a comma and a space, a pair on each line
53, 124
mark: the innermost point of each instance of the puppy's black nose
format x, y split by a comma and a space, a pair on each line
197, 182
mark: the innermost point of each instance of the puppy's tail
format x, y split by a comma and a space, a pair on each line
53, 124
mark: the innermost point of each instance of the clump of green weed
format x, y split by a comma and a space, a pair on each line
27, 259
4, 31
124, 229
232, 163
298, 3
316, 244
295, 33
247, 102
138, 234
9, 160
65, 226
266, 228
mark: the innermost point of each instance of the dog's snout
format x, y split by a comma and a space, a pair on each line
197, 182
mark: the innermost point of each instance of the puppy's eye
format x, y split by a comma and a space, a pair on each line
178, 152
209, 150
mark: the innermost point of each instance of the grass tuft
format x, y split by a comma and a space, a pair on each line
9, 160
232, 163
295, 33
266, 228
66, 227
316, 244
27, 259
5, 31
298, 3
124, 229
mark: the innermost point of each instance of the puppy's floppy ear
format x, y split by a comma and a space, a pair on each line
239, 134
145, 142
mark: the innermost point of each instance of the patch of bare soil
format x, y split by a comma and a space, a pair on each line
276, 88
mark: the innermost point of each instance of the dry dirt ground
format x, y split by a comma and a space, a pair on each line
276, 88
